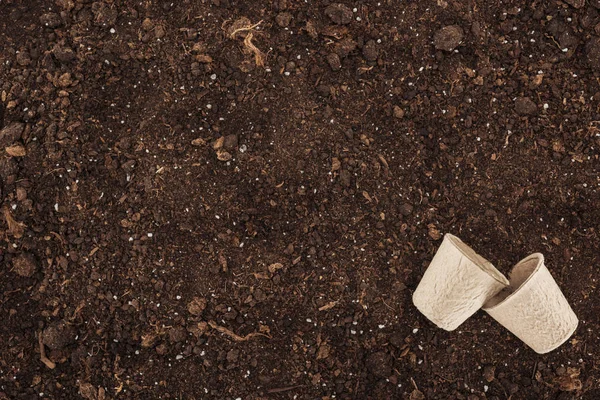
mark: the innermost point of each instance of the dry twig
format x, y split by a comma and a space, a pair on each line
234, 336
43, 357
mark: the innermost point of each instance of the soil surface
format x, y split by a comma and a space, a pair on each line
224, 199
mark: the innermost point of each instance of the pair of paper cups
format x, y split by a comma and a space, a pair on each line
458, 282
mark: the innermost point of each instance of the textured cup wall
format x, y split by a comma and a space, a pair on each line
534, 308
456, 284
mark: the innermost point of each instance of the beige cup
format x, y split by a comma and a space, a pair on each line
456, 284
533, 307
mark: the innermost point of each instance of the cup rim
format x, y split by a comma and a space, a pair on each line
540, 263
469, 253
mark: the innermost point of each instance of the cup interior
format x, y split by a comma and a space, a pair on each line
520, 274
478, 260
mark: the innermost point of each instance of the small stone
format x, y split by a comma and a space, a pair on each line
448, 38
11, 134
379, 364
525, 106
283, 19
51, 20
339, 13
370, 51
406, 209
592, 50
398, 112
58, 335
334, 61
576, 3
25, 265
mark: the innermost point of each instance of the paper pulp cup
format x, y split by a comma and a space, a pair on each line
533, 307
456, 284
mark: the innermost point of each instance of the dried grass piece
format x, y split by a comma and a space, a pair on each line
15, 228
47, 362
234, 336
242, 27
259, 56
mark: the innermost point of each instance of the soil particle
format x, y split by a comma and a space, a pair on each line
344, 47
104, 14
525, 106
8, 167
59, 335
25, 265
339, 13
10, 134
63, 54
51, 20
592, 49
334, 61
379, 364
196, 306
23, 58
152, 231
448, 38
398, 112
576, 3
488, 372
178, 334
147, 24
230, 142
283, 19
370, 51
233, 355
406, 209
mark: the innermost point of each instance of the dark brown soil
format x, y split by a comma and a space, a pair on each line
226, 199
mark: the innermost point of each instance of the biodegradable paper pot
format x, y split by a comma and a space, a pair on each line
533, 307
456, 284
